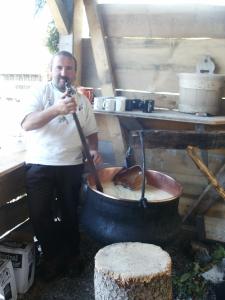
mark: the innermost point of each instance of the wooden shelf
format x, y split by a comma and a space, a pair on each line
169, 115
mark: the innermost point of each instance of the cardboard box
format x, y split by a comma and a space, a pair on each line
7, 281
22, 256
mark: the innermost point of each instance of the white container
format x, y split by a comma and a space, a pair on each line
7, 281
109, 104
98, 103
200, 93
22, 255
120, 103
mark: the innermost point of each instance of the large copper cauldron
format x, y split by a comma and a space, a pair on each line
110, 220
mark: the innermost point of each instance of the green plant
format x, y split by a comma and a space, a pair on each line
218, 254
190, 283
52, 38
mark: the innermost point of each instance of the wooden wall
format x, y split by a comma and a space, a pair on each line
148, 45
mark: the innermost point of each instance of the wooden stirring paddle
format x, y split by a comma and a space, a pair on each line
130, 178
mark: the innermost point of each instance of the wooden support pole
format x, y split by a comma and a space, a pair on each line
207, 198
78, 15
99, 47
59, 13
202, 167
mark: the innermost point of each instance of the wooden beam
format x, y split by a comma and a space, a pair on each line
207, 198
99, 47
181, 139
168, 21
109, 130
60, 15
78, 15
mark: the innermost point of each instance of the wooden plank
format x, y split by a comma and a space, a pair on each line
177, 161
100, 49
78, 15
109, 130
66, 42
61, 15
214, 219
215, 228
181, 139
168, 115
208, 197
13, 214
10, 161
12, 183
152, 65
157, 20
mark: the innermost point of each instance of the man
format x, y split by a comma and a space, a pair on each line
54, 163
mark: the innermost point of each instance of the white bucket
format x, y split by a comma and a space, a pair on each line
200, 93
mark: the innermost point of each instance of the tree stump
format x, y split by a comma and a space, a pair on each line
132, 271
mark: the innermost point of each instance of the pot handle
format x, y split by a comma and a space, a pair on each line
143, 200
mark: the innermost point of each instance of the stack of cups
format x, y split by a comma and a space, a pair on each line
110, 104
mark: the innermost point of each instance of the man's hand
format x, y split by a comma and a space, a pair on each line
97, 158
66, 105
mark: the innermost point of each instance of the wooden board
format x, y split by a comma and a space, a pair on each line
61, 15
100, 48
12, 184
170, 116
157, 20
152, 65
169, 139
78, 15
10, 161
214, 220
109, 130
13, 214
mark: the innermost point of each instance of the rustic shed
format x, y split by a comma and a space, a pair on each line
137, 51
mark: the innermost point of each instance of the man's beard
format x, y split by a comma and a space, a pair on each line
60, 83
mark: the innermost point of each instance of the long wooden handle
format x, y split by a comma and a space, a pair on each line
70, 92
87, 154
202, 167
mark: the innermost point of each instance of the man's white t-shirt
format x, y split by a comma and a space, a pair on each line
58, 142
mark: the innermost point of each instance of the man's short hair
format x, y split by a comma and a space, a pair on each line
64, 53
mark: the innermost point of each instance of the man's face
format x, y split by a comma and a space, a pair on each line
63, 69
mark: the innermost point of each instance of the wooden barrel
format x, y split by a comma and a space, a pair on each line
200, 93
130, 271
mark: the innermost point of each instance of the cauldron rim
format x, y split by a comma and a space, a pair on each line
114, 170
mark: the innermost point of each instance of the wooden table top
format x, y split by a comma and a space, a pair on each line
169, 115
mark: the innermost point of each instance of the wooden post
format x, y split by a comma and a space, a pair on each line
60, 15
131, 271
100, 49
78, 14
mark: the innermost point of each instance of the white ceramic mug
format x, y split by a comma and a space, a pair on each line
109, 104
120, 103
98, 103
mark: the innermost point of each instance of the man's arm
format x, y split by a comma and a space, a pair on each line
93, 146
39, 119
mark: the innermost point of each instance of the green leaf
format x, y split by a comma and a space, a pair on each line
185, 277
